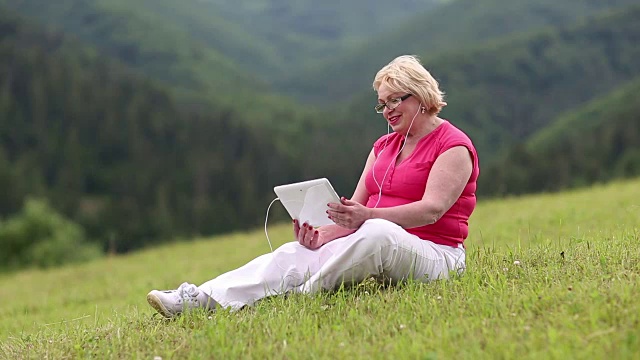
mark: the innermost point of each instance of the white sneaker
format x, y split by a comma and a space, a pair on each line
171, 303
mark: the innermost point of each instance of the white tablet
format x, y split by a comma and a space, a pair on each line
307, 201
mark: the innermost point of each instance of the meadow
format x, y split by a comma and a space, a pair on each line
551, 276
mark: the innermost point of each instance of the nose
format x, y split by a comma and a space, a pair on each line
386, 111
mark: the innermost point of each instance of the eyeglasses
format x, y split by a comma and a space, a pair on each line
391, 104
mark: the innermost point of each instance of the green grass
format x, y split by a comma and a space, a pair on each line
549, 276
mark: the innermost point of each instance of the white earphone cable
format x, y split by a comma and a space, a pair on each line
266, 219
265, 223
381, 184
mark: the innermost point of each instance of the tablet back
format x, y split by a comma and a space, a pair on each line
307, 201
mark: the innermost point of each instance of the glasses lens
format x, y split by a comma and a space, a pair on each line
393, 103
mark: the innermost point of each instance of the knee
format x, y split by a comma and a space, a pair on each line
378, 226
288, 248
378, 232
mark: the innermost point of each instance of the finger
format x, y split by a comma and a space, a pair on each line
335, 206
296, 227
308, 228
336, 213
311, 240
299, 237
316, 239
302, 232
309, 235
348, 202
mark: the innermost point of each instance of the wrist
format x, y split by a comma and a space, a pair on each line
332, 232
371, 213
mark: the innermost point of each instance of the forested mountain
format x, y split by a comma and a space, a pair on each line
139, 34
212, 46
596, 143
502, 92
114, 151
455, 26
307, 33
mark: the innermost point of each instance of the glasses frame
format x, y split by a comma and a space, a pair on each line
380, 107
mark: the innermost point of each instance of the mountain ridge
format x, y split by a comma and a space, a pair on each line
597, 142
455, 24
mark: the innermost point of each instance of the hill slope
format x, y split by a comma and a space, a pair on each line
215, 45
456, 25
304, 34
598, 142
115, 152
503, 92
138, 34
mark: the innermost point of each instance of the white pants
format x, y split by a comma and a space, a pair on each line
378, 248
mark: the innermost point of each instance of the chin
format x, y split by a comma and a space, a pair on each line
399, 128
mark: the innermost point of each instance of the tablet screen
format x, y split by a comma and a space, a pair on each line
307, 201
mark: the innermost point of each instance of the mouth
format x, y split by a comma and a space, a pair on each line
394, 119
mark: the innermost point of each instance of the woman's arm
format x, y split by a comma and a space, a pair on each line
447, 179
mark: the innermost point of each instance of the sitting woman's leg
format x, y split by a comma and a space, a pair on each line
378, 248
275, 273
270, 274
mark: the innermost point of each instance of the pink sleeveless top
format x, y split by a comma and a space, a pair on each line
405, 183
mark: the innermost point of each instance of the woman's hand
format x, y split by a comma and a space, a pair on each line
312, 238
307, 236
348, 213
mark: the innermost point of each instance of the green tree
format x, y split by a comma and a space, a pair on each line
40, 236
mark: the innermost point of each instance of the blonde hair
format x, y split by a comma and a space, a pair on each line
406, 74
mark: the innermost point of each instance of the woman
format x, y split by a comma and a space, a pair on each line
406, 219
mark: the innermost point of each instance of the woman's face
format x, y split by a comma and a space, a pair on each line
400, 117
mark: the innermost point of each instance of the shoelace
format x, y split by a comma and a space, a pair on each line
188, 292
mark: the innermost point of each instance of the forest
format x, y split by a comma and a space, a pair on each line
145, 121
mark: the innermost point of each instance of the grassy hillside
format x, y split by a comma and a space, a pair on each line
552, 276
456, 25
597, 142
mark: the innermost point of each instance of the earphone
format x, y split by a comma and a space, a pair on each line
373, 173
